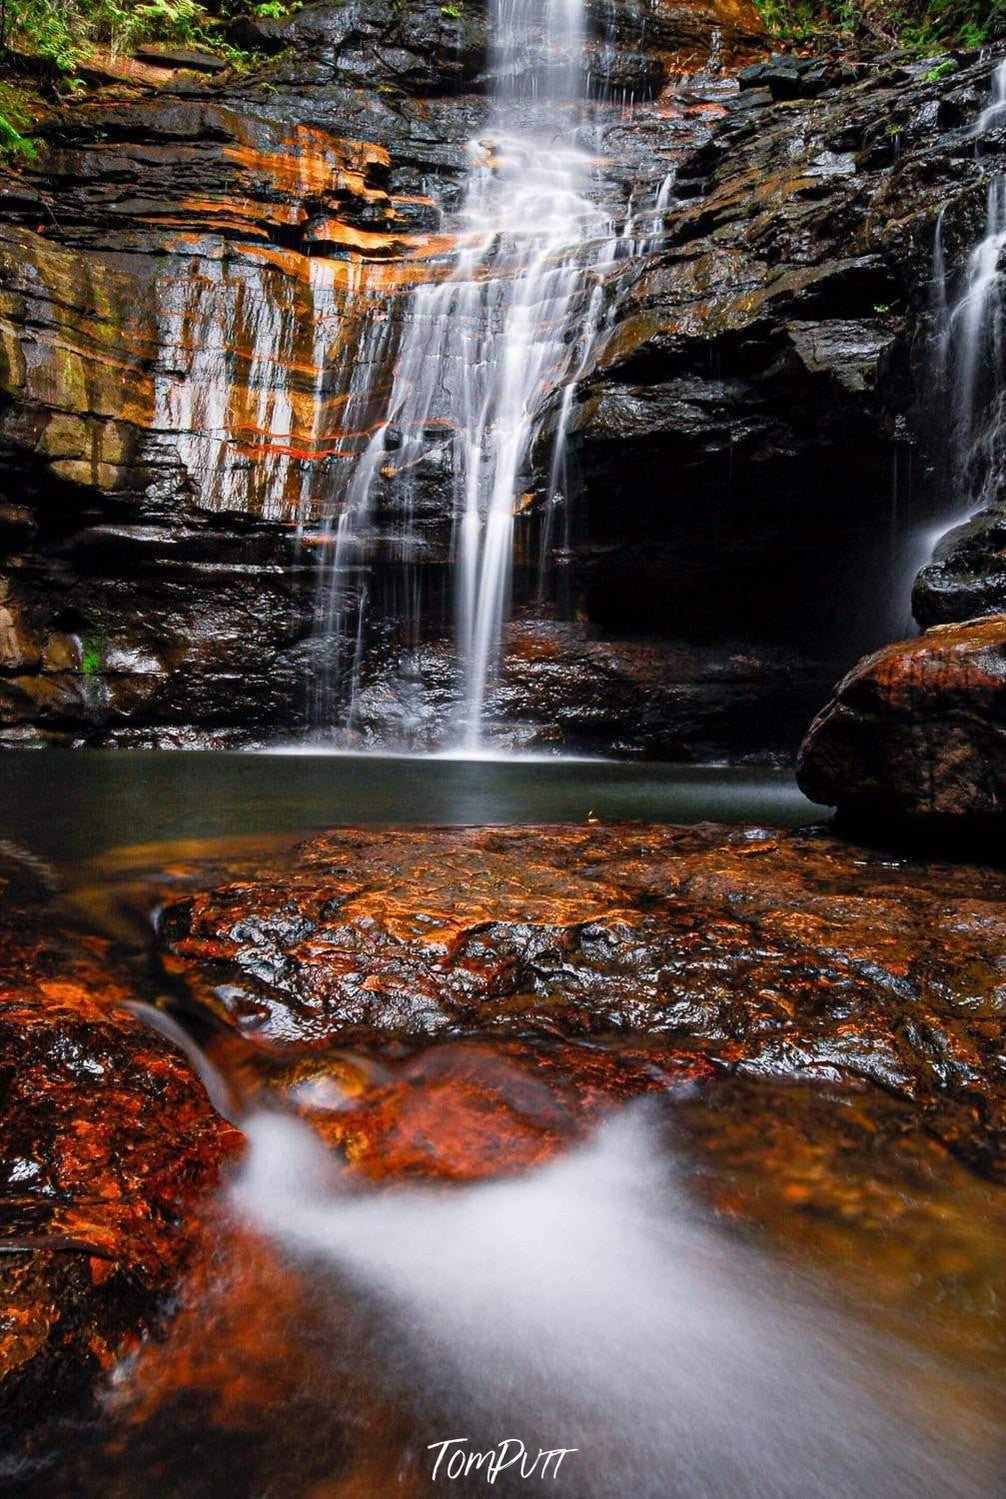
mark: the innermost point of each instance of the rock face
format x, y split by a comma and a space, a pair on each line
193, 284
916, 734
189, 277
793, 955
109, 1145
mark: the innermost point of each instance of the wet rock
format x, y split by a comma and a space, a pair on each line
193, 58
967, 575
845, 1179
456, 1110
916, 735
771, 954
109, 1145
839, 1179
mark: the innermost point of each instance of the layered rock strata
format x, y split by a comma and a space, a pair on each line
202, 280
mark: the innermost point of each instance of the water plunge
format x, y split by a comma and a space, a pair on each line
968, 348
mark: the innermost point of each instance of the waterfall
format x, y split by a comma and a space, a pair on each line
489, 346
974, 354
968, 343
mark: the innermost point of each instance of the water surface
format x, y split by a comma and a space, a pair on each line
70, 806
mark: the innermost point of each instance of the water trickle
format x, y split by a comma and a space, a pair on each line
995, 112
491, 347
974, 355
967, 368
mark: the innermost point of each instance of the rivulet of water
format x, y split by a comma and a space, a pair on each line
968, 311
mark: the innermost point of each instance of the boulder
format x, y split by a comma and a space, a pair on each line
915, 735
967, 574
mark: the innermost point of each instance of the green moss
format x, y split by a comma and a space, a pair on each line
92, 655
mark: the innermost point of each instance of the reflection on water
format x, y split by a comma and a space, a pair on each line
73, 805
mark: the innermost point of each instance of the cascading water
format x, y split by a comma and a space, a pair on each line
484, 349
969, 317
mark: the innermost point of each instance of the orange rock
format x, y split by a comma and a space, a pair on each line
109, 1144
786, 954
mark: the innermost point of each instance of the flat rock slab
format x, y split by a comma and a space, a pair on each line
792, 955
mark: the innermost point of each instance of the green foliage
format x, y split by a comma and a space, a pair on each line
13, 143
276, 10
941, 70
64, 31
923, 25
453, 12
15, 119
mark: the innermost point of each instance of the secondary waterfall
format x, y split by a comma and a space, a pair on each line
969, 342
507, 326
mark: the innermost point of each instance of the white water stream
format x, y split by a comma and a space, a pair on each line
591, 1304
969, 359
483, 350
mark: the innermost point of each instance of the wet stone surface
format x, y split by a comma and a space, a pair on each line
915, 735
805, 1030
108, 1144
787, 955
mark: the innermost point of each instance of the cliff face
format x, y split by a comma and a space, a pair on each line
202, 286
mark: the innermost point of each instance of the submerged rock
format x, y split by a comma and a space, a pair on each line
793, 955
109, 1144
916, 735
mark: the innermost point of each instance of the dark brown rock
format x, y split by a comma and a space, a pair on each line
193, 58
916, 735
